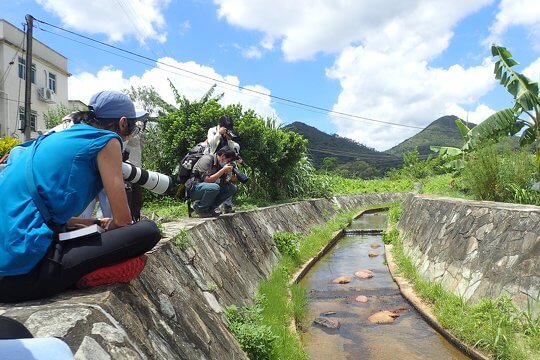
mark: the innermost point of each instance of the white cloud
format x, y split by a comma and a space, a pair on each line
394, 89
252, 52
307, 27
83, 86
142, 19
533, 70
511, 13
383, 61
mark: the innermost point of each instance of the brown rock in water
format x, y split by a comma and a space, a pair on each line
364, 274
327, 323
362, 299
373, 254
375, 246
383, 317
342, 280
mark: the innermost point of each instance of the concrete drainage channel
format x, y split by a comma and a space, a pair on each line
355, 308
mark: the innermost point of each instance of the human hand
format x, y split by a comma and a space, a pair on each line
227, 168
105, 223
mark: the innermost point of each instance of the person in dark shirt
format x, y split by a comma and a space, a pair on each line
211, 181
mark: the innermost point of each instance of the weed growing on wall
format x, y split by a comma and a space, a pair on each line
181, 239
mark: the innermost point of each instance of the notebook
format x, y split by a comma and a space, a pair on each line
81, 233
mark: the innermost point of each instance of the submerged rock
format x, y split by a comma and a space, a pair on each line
373, 254
364, 274
375, 246
383, 317
327, 323
361, 299
342, 280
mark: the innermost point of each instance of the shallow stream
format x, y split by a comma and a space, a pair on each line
407, 337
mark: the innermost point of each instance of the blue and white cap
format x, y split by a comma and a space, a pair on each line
114, 105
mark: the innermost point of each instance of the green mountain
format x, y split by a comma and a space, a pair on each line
322, 145
441, 132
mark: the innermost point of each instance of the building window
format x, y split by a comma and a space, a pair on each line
33, 119
52, 82
22, 70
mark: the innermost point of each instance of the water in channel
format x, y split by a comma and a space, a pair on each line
408, 337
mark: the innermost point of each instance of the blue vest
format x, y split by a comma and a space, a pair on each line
67, 179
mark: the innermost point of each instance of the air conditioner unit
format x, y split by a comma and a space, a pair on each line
46, 95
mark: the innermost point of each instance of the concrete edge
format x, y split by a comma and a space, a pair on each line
425, 311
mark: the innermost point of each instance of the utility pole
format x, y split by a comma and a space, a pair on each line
28, 81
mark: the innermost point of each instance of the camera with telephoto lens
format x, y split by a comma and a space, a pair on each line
151, 180
243, 178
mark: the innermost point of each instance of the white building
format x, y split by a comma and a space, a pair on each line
49, 81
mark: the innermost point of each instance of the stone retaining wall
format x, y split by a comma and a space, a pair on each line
174, 310
474, 249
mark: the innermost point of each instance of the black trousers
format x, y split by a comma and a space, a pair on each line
66, 262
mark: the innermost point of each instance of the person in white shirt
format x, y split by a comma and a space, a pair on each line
218, 137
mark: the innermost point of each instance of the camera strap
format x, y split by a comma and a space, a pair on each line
31, 185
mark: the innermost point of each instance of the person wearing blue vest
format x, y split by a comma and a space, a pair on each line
45, 184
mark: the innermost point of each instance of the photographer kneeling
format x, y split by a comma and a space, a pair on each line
53, 179
208, 184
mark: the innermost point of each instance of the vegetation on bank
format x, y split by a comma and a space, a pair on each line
263, 330
491, 325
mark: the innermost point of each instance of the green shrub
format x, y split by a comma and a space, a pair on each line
287, 244
7, 143
256, 339
394, 213
390, 237
500, 174
480, 174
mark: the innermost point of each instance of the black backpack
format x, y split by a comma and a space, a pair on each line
188, 161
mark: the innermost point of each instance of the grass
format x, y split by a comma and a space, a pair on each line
169, 209
492, 325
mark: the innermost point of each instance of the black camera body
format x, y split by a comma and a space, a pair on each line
243, 178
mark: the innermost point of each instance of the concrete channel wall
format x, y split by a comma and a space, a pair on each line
475, 249
174, 310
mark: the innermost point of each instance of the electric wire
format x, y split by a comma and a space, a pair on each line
12, 62
232, 85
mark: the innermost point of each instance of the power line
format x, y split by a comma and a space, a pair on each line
302, 104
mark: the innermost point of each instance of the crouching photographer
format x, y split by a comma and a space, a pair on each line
212, 181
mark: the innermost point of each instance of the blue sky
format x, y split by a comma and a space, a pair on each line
401, 61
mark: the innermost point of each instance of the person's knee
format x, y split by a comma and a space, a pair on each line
212, 187
148, 229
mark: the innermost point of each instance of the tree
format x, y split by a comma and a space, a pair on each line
271, 154
148, 99
53, 116
509, 122
329, 163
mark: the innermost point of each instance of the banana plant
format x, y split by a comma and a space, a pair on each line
522, 116
455, 157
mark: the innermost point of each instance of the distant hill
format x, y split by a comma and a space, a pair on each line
321, 145
441, 132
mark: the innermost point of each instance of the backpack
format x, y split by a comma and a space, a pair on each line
189, 160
